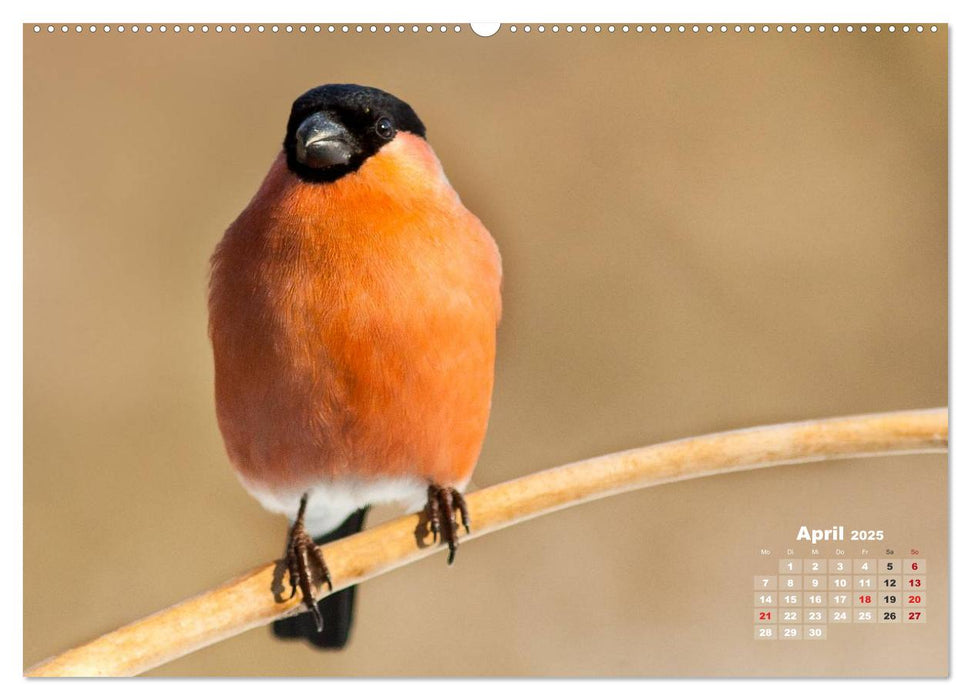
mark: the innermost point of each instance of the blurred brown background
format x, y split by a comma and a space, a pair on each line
700, 232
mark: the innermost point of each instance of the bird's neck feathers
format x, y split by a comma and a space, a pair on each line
398, 206
405, 175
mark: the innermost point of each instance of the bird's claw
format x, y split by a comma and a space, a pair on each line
306, 565
443, 501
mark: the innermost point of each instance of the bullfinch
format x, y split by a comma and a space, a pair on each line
353, 307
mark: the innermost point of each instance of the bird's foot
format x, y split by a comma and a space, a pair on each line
306, 565
443, 501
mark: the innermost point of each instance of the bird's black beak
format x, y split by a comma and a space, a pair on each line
321, 142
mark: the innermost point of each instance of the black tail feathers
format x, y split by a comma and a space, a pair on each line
337, 609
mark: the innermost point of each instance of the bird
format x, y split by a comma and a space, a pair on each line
353, 312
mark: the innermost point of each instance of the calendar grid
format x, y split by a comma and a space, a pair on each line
803, 597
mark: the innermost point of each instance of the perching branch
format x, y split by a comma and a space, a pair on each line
249, 601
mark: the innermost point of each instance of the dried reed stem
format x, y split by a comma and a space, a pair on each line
247, 601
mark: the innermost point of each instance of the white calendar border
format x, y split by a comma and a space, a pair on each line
450, 11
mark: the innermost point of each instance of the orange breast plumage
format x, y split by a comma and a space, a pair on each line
353, 326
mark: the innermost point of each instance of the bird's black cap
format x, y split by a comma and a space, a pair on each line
333, 129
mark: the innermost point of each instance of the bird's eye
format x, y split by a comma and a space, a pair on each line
384, 128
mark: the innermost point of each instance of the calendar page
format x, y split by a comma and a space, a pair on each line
519, 246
